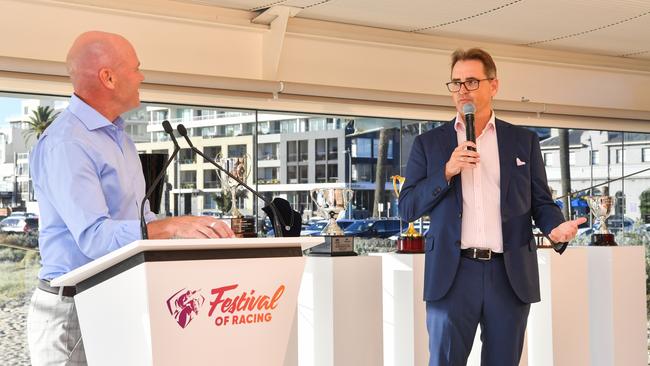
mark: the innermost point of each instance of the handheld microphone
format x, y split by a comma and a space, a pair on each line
170, 131
470, 133
277, 229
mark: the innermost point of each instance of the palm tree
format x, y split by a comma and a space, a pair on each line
40, 119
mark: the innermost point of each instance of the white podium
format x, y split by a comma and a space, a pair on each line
405, 332
197, 302
339, 313
593, 309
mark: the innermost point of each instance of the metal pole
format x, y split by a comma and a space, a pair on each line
349, 208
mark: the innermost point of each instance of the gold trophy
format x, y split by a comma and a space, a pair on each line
331, 201
601, 208
242, 226
411, 241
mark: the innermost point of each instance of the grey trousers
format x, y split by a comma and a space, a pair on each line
53, 332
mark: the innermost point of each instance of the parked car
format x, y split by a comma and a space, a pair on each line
374, 228
211, 213
13, 224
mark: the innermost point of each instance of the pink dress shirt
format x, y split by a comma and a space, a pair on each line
481, 221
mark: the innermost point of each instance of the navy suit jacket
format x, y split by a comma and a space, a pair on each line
524, 195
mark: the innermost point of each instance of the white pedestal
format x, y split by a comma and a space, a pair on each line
405, 332
593, 310
339, 312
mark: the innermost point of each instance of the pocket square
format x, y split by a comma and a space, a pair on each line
520, 163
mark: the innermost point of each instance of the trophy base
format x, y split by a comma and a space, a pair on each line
602, 240
243, 227
334, 246
410, 244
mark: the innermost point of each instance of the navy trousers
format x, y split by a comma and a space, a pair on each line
481, 294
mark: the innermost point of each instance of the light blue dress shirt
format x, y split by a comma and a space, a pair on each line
89, 184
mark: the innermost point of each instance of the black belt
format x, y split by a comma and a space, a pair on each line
68, 291
480, 254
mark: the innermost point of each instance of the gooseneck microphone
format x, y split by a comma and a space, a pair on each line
277, 230
468, 114
170, 131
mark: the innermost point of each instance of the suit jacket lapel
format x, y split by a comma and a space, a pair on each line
507, 142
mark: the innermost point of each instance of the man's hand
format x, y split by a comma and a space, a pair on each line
566, 230
189, 227
460, 159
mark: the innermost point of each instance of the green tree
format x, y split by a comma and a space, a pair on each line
40, 119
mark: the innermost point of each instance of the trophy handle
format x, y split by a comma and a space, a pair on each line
311, 194
397, 182
349, 194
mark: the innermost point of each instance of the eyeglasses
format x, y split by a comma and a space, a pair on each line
470, 85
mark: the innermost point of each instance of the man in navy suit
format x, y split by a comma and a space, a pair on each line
481, 261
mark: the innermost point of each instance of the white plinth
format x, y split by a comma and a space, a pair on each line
405, 332
340, 312
593, 309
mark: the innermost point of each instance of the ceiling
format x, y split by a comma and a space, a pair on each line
619, 28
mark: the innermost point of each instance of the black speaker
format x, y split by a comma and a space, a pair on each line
152, 165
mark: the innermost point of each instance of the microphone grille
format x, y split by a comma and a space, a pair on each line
167, 127
182, 130
469, 108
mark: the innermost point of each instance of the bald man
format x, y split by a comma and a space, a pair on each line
89, 184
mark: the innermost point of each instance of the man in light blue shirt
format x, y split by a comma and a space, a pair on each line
89, 184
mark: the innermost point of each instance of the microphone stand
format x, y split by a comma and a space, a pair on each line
143, 225
276, 226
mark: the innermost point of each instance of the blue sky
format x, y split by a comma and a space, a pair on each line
8, 107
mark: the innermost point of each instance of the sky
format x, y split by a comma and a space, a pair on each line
8, 107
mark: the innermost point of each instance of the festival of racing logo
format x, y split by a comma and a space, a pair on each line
228, 306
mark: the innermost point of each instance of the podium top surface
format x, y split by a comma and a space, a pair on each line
72, 278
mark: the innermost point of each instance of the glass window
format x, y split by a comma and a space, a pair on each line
332, 149
236, 151
303, 174
187, 156
267, 175
210, 179
645, 154
292, 150
212, 152
332, 173
361, 148
321, 149
188, 179
268, 151
595, 157
292, 174
321, 176
620, 156
303, 150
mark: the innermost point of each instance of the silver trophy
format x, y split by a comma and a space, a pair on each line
330, 202
601, 208
238, 167
243, 227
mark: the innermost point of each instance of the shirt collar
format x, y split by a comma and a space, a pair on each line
459, 126
92, 119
